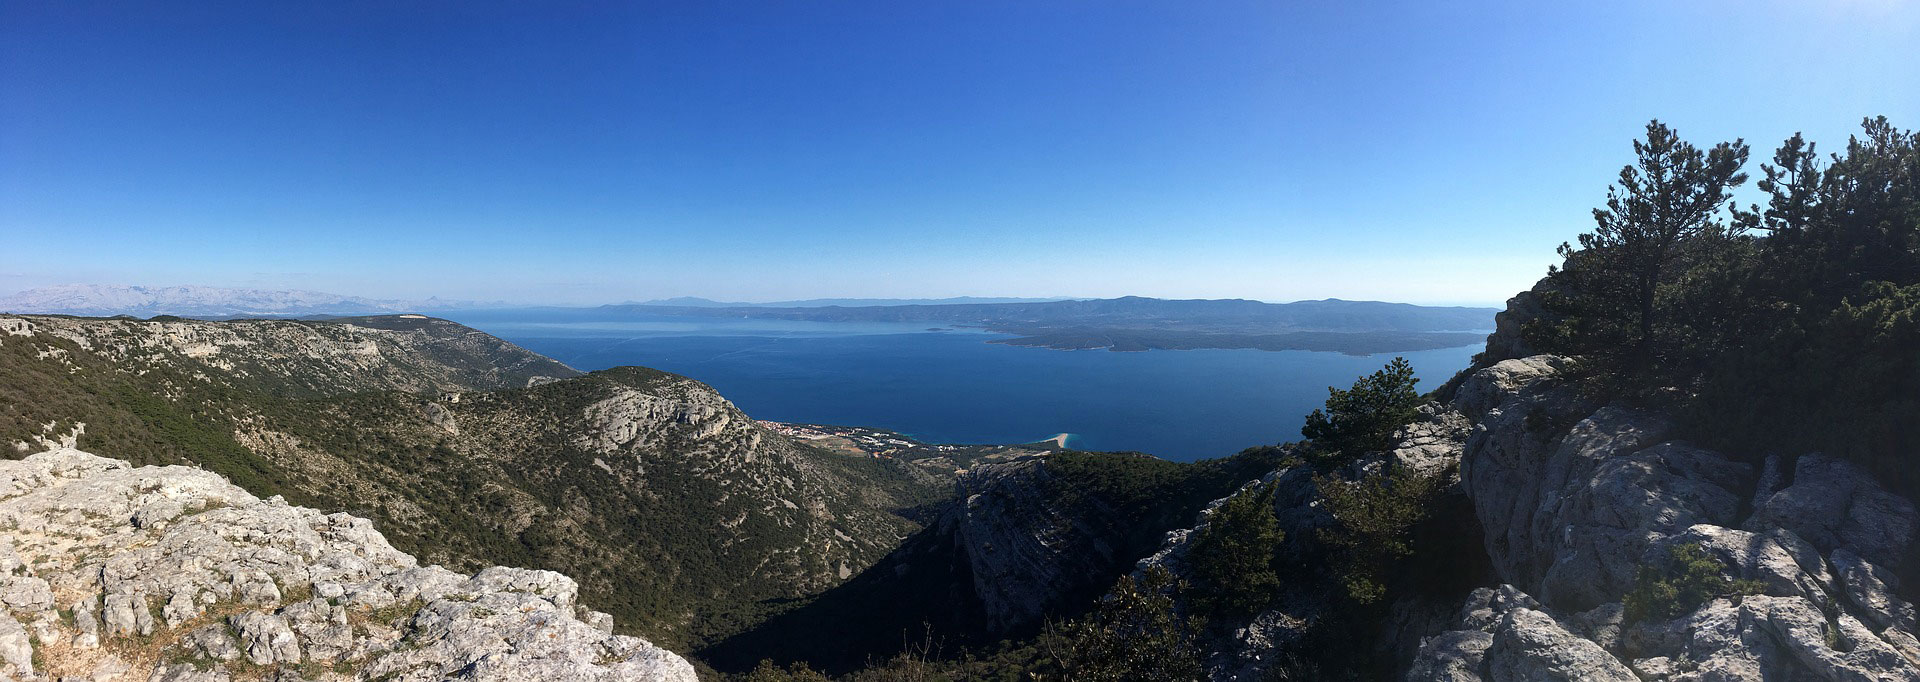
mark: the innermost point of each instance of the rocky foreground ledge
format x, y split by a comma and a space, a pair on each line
1572, 515
172, 574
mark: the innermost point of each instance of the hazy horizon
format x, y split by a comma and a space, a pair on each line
452, 299
575, 154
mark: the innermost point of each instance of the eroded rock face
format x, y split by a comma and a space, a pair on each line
172, 573
1022, 546
1832, 503
1574, 500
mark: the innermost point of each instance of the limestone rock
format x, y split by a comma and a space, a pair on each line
1870, 589
1508, 340
1604, 519
25, 593
266, 638
1505, 636
16, 648
1024, 549
212, 643
1783, 563
186, 672
1452, 656
1530, 645
1569, 515
1575, 500
1833, 504
1784, 638
1432, 444
1505, 380
165, 549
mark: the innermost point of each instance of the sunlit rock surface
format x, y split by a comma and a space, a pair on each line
171, 573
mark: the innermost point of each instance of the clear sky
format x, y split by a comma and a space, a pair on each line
582, 153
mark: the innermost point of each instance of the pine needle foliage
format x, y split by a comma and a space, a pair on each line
1233, 557
1363, 418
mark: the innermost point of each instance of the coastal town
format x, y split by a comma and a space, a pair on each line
884, 444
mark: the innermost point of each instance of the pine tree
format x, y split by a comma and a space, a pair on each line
1671, 196
1233, 557
1363, 418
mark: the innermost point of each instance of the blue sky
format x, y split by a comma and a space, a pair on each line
577, 153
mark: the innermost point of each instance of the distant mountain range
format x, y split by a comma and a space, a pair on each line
1219, 314
1138, 323
116, 299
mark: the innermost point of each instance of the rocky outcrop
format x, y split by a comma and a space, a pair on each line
1575, 499
1506, 635
108, 571
1508, 339
1027, 540
1569, 511
633, 418
1834, 504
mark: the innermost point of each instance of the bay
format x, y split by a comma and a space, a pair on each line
952, 386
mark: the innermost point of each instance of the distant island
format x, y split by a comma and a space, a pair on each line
1135, 323
1129, 323
697, 302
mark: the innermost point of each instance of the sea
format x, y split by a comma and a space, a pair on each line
950, 385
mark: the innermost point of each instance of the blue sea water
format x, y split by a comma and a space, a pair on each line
952, 386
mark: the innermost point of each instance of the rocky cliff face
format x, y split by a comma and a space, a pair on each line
112, 572
1028, 551
1576, 498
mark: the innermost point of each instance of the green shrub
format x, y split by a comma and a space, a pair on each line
767, 671
1373, 525
1134, 635
1688, 578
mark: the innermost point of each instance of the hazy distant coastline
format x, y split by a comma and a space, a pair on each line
1137, 324
1130, 323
